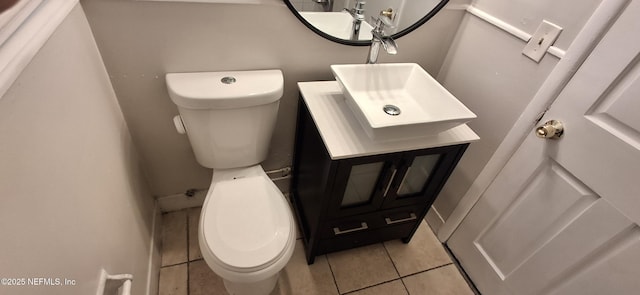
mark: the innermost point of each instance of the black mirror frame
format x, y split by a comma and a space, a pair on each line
408, 30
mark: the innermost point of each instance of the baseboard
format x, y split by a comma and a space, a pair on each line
153, 273
182, 201
434, 220
283, 183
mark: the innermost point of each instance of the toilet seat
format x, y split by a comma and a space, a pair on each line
247, 221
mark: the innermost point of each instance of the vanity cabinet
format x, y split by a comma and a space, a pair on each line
346, 194
371, 183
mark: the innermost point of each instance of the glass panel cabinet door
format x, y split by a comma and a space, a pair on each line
422, 175
361, 184
417, 175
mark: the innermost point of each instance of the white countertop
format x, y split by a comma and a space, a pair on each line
344, 137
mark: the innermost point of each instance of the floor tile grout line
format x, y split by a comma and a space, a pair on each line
188, 260
383, 282
332, 274
188, 254
175, 264
400, 277
395, 267
426, 270
161, 248
374, 285
390, 259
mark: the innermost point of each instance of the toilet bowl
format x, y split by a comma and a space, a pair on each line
247, 232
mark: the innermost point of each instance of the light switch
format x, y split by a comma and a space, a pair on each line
542, 39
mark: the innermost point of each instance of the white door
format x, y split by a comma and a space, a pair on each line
562, 216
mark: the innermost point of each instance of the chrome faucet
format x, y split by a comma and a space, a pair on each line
357, 13
389, 45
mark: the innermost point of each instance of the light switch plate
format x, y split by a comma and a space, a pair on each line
542, 39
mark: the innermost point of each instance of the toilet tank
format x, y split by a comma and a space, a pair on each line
229, 117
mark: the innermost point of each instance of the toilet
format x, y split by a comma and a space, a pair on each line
246, 231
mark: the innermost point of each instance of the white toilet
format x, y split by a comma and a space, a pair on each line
247, 231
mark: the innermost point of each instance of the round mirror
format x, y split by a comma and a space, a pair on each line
351, 21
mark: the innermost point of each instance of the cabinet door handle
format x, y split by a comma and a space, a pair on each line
393, 175
412, 216
337, 231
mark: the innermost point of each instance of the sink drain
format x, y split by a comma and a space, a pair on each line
391, 110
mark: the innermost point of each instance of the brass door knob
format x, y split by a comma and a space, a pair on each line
550, 129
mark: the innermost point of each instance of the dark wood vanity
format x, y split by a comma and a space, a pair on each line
349, 191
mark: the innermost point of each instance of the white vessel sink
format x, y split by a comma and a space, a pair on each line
375, 93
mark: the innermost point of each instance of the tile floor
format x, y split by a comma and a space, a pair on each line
389, 268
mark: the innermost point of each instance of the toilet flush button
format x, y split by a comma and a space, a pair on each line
228, 80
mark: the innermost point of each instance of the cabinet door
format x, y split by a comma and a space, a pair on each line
421, 175
361, 183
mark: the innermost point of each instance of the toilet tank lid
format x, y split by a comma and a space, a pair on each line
225, 90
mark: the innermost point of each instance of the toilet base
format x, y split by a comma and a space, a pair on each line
263, 287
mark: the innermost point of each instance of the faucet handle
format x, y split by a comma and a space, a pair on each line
353, 14
388, 13
384, 20
357, 12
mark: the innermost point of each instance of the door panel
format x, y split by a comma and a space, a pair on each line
611, 111
618, 263
570, 250
562, 216
545, 206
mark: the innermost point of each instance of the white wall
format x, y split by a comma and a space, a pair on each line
73, 199
487, 72
141, 41
412, 11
